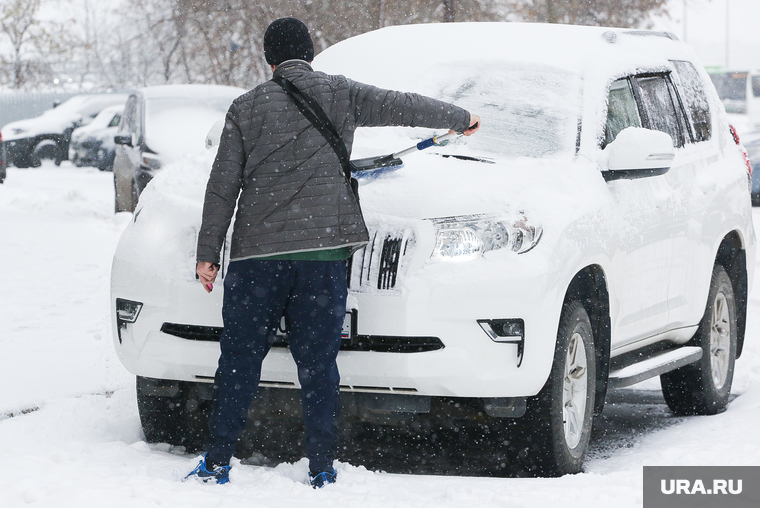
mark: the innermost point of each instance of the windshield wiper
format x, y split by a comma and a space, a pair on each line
467, 158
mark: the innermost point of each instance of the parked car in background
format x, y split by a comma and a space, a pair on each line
47, 136
751, 143
732, 90
753, 99
159, 125
596, 232
92, 144
3, 163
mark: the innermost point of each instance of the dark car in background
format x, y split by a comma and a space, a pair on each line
159, 125
92, 144
3, 163
47, 136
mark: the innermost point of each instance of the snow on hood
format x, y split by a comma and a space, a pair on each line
80, 109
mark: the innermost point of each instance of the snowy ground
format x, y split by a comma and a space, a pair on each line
70, 434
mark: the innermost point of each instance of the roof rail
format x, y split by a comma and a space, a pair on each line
611, 36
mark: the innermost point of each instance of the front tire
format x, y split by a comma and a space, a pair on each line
172, 412
703, 388
557, 427
45, 149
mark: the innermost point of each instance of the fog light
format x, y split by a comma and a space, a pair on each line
506, 331
126, 312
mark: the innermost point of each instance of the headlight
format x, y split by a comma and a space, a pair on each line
470, 236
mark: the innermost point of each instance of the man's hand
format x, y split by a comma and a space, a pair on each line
474, 125
473, 128
207, 274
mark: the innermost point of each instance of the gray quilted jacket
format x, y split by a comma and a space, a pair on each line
289, 187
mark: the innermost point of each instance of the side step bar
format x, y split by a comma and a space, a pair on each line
654, 366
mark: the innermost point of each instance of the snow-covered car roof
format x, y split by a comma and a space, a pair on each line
99, 122
402, 54
80, 108
191, 91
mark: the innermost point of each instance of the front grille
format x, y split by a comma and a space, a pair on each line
376, 343
379, 264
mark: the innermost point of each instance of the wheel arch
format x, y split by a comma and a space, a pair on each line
589, 286
732, 256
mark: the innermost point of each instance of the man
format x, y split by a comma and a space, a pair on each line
297, 222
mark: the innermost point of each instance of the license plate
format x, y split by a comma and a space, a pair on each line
347, 333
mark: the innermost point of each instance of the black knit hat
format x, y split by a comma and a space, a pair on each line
287, 39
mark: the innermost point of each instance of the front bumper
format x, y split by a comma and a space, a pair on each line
438, 301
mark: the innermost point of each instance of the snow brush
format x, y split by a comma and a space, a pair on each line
377, 165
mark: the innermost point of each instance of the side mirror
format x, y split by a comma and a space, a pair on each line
215, 133
123, 140
638, 153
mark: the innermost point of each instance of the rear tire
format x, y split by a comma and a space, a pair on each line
172, 412
556, 430
703, 388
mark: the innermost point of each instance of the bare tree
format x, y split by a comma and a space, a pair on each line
617, 13
34, 44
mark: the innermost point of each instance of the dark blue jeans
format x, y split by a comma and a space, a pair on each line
312, 297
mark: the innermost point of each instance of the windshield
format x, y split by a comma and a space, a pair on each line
528, 110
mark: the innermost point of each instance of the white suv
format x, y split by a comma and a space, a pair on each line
596, 232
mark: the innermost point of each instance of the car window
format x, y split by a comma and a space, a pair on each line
622, 110
694, 98
686, 130
756, 86
115, 120
659, 107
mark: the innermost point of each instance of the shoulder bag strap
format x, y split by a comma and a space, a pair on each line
318, 118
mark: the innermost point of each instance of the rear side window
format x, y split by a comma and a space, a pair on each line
659, 106
756, 86
622, 111
694, 99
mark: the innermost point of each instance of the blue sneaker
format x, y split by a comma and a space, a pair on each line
322, 479
220, 475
